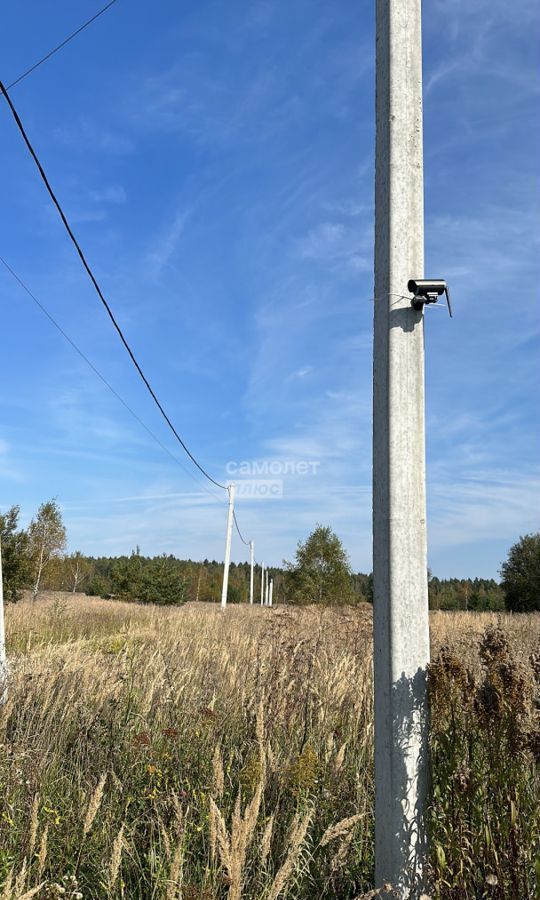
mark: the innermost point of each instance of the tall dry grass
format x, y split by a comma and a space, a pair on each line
186, 753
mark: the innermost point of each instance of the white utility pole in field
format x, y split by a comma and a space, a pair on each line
401, 637
231, 489
251, 563
262, 584
271, 592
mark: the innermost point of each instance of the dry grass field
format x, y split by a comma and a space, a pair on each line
168, 753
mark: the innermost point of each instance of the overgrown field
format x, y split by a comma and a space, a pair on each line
184, 753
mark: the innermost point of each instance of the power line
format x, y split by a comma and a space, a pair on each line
102, 378
238, 530
98, 289
62, 44
113, 391
105, 304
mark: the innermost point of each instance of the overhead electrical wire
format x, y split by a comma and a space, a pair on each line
238, 530
62, 44
95, 283
98, 290
102, 378
113, 391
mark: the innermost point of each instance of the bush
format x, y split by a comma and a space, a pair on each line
484, 816
97, 587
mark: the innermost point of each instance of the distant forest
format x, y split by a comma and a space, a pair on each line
167, 579
36, 559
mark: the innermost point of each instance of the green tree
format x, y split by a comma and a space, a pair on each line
126, 576
363, 587
162, 582
321, 572
161, 579
15, 563
46, 540
521, 575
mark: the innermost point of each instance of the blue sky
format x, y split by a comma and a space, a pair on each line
216, 161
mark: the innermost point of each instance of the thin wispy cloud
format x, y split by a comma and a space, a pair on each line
167, 244
88, 135
488, 508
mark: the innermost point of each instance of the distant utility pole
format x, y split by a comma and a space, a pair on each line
266, 590
251, 562
270, 592
231, 489
262, 584
3, 661
401, 636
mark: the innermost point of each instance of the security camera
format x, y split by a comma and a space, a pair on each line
428, 290
426, 285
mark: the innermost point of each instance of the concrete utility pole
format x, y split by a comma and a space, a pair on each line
231, 488
3, 661
251, 561
401, 635
271, 592
266, 590
262, 584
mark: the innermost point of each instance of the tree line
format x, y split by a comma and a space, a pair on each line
35, 559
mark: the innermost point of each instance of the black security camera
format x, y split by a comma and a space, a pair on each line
428, 290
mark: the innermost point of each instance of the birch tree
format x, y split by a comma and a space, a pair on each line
46, 540
78, 570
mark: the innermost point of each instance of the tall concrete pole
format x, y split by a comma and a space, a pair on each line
228, 539
251, 561
401, 635
266, 589
262, 584
271, 592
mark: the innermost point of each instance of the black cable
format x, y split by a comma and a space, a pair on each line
98, 289
63, 44
238, 530
102, 378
